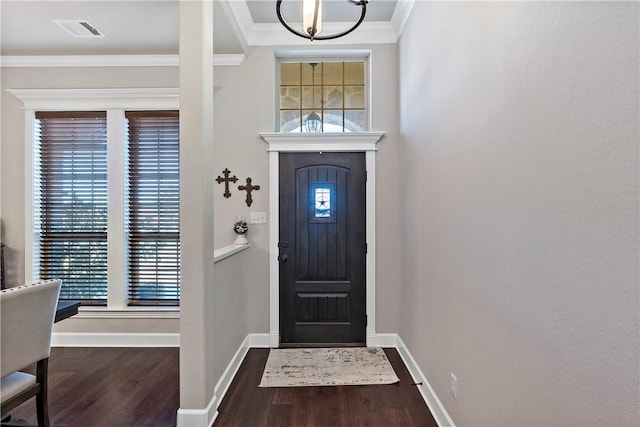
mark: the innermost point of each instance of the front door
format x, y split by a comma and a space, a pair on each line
322, 248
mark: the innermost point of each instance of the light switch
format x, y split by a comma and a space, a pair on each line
258, 218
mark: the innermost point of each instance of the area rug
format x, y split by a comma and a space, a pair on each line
298, 367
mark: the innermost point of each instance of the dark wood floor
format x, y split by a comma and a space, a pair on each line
139, 387
110, 387
374, 405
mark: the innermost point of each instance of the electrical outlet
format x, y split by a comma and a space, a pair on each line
453, 386
258, 218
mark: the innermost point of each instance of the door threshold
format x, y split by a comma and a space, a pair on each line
322, 345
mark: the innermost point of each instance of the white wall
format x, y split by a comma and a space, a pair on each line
519, 126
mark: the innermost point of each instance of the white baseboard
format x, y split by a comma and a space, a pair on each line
198, 417
386, 340
250, 341
259, 340
434, 404
73, 339
206, 417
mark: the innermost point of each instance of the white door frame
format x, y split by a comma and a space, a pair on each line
320, 142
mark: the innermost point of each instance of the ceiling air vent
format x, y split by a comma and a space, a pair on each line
78, 28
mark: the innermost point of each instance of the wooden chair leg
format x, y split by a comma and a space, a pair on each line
42, 404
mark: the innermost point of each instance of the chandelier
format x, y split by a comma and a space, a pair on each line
312, 19
313, 122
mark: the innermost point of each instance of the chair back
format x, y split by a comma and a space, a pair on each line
27, 313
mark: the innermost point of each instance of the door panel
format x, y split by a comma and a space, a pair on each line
322, 248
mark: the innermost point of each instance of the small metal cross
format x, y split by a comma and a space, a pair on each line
248, 188
226, 181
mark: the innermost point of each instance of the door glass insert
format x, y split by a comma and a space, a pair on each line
323, 202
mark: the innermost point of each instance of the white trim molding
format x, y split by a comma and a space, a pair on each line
114, 101
401, 15
28, 61
206, 417
322, 141
227, 251
74, 339
128, 313
250, 341
81, 99
430, 397
326, 142
198, 417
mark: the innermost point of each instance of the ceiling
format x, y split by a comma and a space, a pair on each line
151, 27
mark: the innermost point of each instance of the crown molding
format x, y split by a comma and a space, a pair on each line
109, 60
401, 15
228, 59
240, 11
78, 99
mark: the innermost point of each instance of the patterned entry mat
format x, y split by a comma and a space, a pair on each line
299, 367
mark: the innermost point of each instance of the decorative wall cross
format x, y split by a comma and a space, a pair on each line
226, 181
248, 188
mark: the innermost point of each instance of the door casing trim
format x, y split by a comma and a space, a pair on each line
321, 142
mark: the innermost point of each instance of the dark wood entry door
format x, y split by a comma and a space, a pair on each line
322, 248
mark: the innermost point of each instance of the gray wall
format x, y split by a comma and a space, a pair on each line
12, 169
231, 308
12, 134
507, 203
243, 107
519, 126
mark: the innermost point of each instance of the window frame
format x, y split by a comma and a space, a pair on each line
115, 102
324, 56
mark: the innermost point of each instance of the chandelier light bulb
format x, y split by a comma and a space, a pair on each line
312, 17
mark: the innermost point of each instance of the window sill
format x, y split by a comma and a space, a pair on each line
128, 313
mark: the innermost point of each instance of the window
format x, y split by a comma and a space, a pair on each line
329, 96
107, 189
73, 202
154, 207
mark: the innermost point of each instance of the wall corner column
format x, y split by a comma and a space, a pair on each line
197, 380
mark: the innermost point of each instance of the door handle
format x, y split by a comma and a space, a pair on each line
283, 258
